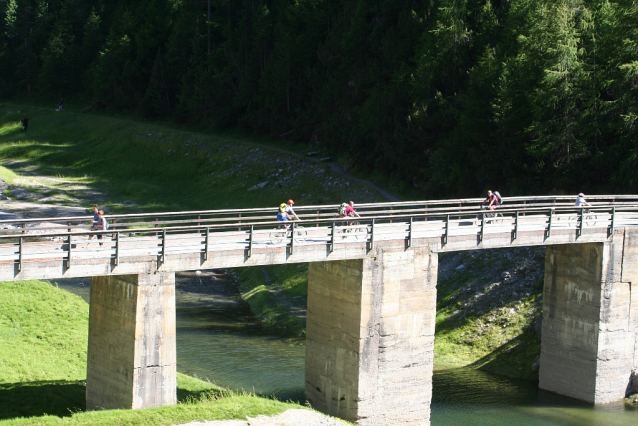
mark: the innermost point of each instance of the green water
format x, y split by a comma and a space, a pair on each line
219, 340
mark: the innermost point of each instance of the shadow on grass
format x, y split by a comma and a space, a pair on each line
513, 358
62, 398
58, 398
185, 395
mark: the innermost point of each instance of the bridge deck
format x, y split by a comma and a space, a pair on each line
178, 241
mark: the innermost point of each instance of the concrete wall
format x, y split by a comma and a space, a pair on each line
131, 353
370, 337
590, 312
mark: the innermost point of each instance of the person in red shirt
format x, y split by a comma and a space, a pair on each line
351, 212
491, 200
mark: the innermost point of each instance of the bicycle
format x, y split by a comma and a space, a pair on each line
280, 233
353, 229
589, 218
490, 215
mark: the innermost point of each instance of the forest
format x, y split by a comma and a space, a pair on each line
450, 97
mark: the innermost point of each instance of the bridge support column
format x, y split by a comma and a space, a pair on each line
370, 337
131, 354
590, 319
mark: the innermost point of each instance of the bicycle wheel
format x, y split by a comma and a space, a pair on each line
498, 218
300, 234
277, 236
359, 233
590, 220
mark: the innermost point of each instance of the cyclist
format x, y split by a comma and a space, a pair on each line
491, 201
285, 212
351, 212
581, 201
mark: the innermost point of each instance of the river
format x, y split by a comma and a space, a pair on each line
219, 340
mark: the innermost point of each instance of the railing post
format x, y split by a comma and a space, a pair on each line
117, 249
292, 238
332, 237
582, 220
482, 226
239, 222
447, 228
372, 235
68, 260
163, 246
516, 226
549, 224
613, 221
20, 253
250, 241
410, 233
206, 243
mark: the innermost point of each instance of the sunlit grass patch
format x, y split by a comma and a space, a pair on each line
7, 175
10, 127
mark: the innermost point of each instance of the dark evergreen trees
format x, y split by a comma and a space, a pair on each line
449, 96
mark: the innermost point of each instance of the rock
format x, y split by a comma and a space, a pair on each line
537, 364
26, 195
258, 186
506, 275
458, 268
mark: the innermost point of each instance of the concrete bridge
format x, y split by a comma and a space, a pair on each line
371, 293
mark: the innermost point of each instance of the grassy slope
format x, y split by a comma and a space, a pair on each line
43, 367
485, 321
164, 169
292, 279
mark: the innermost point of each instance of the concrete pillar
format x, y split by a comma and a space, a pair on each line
370, 337
590, 312
131, 354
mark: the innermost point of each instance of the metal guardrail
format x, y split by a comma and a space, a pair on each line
210, 231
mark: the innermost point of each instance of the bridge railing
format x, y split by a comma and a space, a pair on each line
246, 216
207, 239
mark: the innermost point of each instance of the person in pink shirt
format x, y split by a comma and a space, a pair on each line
350, 211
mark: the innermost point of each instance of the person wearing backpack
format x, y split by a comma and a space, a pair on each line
493, 200
286, 211
347, 210
102, 224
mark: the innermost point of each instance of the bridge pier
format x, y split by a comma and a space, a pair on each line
589, 339
131, 354
370, 337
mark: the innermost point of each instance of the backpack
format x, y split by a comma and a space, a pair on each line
498, 197
106, 224
283, 207
342, 209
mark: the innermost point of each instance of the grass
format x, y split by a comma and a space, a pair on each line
43, 341
263, 303
486, 322
163, 169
